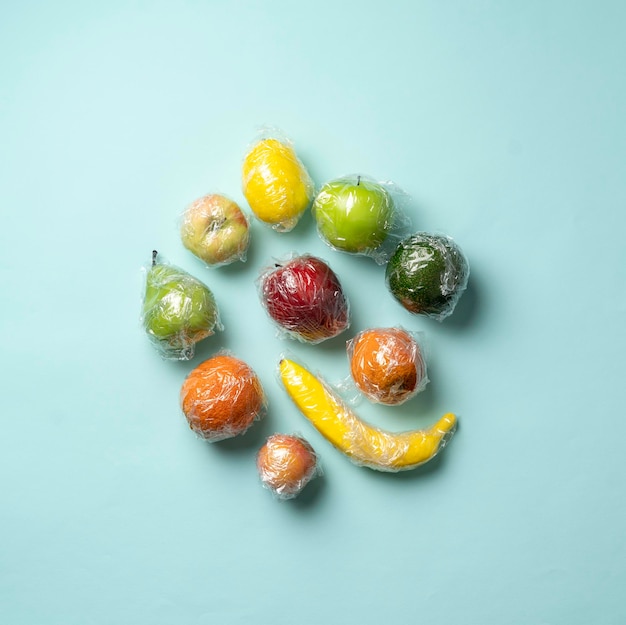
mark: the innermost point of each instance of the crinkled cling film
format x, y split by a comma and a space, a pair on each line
360, 215
178, 310
364, 444
275, 183
427, 274
387, 365
304, 298
222, 397
286, 464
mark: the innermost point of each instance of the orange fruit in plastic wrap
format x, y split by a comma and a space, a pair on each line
221, 398
286, 464
386, 365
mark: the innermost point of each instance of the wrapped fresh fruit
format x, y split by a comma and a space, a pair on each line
215, 229
178, 310
387, 365
305, 299
286, 464
222, 397
427, 274
276, 184
359, 215
361, 442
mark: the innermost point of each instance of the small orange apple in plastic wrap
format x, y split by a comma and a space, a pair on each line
286, 464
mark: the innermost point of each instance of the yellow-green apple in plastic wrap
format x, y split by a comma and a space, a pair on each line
215, 229
354, 214
178, 310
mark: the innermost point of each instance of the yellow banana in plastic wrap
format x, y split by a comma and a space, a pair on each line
362, 443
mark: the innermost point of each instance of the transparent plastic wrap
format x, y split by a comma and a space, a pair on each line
359, 215
387, 365
222, 397
177, 311
427, 274
304, 298
275, 183
215, 229
286, 464
363, 444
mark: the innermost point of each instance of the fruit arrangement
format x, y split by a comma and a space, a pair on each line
303, 297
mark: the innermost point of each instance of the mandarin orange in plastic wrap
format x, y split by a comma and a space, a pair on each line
222, 397
286, 464
387, 365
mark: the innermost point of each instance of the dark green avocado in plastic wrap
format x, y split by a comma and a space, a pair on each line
427, 274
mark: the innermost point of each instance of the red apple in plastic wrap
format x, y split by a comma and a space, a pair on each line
305, 299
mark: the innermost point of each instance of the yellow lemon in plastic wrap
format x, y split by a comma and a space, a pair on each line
276, 184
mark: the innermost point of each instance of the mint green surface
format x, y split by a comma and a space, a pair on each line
503, 122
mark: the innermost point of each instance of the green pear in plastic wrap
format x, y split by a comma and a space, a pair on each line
178, 310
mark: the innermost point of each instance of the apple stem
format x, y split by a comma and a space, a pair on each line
154, 255
358, 180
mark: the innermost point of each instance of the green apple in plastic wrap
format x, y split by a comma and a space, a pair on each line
178, 310
354, 214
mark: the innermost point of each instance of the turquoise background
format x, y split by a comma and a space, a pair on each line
504, 122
